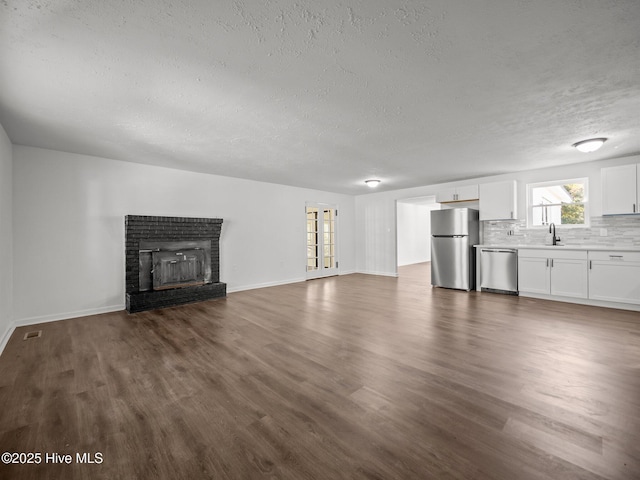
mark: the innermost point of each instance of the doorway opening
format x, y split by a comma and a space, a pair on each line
413, 230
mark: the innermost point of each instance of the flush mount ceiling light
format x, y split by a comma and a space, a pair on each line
590, 145
372, 183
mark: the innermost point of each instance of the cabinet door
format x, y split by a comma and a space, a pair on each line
569, 277
468, 192
619, 190
533, 275
448, 195
498, 201
614, 281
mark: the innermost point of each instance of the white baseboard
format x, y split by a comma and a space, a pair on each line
115, 308
6, 336
254, 286
66, 315
242, 288
347, 272
23, 322
583, 301
383, 274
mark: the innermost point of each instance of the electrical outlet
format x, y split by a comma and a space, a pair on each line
603, 232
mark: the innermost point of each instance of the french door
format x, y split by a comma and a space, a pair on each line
322, 259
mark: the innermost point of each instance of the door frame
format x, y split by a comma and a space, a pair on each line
321, 271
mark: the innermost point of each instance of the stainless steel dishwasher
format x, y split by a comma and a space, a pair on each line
499, 270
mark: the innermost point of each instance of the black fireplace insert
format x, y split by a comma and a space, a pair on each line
171, 261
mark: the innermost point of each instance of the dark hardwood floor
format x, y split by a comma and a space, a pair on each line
356, 376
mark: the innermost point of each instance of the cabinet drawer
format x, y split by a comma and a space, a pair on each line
526, 253
568, 254
553, 253
615, 256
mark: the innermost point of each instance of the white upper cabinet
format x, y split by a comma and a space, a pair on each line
620, 190
444, 196
498, 201
465, 193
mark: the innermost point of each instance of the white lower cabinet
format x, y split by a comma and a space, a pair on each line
569, 276
533, 274
608, 276
560, 273
614, 276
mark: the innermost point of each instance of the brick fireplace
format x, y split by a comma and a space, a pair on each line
171, 261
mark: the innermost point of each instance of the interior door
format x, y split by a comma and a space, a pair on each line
321, 224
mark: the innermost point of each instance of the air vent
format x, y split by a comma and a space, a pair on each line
29, 335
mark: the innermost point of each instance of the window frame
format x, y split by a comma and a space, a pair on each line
582, 180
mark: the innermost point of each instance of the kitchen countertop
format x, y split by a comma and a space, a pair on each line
565, 247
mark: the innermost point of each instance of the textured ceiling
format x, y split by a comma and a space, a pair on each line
324, 94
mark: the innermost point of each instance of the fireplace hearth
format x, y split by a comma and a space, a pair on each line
171, 261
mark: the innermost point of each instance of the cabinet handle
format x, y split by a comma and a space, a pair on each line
590, 264
552, 263
547, 262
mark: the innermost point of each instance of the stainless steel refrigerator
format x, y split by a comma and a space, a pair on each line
454, 232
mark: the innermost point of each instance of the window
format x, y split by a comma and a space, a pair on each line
564, 202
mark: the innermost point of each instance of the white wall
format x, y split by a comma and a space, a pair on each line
6, 237
414, 232
376, 244
69, 228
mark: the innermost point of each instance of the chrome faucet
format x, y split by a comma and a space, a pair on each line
552, 231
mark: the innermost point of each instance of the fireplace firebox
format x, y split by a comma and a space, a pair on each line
171, 261
167, 264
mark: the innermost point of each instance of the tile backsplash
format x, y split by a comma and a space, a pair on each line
619, 231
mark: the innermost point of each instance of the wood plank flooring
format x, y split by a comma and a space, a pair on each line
351, 377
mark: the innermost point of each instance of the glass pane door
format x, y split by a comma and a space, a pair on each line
328, 239
321, 240
313, 241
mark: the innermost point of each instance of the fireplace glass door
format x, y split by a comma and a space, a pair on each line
178, 269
